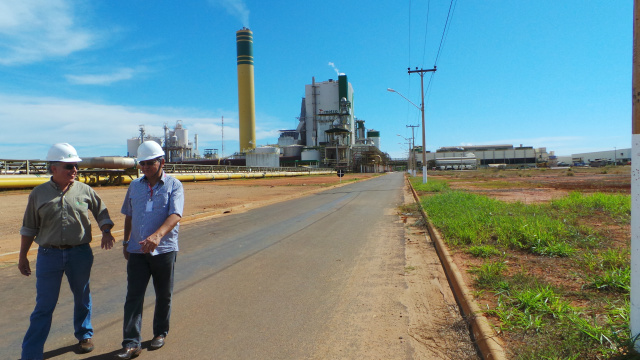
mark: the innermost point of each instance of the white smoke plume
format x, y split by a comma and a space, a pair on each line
236, 8
335, 69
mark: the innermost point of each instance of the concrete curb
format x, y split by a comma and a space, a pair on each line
486, 339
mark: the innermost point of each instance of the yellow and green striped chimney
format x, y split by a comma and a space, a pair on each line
246, 92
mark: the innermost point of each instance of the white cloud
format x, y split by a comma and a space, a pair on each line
31, 31
33, 124
102, 79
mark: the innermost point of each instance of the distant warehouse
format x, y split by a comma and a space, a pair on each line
463, 157
601, 158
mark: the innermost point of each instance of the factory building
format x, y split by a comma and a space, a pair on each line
484, 156
175, 143
601, 158
329, 134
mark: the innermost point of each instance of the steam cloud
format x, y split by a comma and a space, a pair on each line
335, 69
237, 8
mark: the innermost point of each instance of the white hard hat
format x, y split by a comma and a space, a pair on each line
63, 152
149, 150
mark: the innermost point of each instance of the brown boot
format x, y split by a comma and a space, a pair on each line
85, 346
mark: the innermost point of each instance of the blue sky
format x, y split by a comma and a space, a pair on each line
543, 73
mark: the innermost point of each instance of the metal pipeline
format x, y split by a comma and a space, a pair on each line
108, 162
17, 182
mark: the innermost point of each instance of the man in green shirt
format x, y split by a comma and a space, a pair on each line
57, 219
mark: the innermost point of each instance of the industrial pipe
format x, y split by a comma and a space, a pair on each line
15, 182
108, 162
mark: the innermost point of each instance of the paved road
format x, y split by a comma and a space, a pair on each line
278, 282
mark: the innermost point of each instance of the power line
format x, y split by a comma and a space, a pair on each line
409, 63
444, 31
426, 31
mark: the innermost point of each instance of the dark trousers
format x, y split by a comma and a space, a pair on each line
140, 268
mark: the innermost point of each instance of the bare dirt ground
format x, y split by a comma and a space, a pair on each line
533, 186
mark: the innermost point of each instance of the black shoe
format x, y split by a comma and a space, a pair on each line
130, 352
157, 342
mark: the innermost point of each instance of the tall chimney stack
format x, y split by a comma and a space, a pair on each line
246, 92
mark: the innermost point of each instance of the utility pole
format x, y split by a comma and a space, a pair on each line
424, 145
222, 128
413, 145
634, 318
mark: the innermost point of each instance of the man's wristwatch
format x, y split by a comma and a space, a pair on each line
125, 242
106, 231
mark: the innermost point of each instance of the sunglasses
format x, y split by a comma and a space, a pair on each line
148, 162
70, 166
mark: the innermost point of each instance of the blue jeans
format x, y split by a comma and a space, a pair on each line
51, 264
140, 268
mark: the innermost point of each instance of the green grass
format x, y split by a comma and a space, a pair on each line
615, 205
483, 251
550, 321
468, 219
431, 185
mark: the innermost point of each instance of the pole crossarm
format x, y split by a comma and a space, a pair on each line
421, 71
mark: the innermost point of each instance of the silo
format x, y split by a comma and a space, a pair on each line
374, 136
246, 92
182, 136
132, 146
292, 150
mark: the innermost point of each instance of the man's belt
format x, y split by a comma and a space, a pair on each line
60, 247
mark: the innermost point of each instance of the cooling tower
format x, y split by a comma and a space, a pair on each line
246, 93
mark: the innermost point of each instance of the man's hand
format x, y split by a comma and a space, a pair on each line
125, 253
23, 261
23, 266
107, 241
151, 243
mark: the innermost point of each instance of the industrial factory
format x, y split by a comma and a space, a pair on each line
175, 143
328, 134
474, 156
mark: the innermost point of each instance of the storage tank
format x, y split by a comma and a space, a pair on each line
374, 136
311, 154
182, 137
132, 146
292, 150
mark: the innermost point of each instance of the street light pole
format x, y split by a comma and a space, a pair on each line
410, 166
424, 147
424, 177
413, 145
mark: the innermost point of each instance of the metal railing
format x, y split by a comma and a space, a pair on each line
36, 167
193, 168
23, 167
